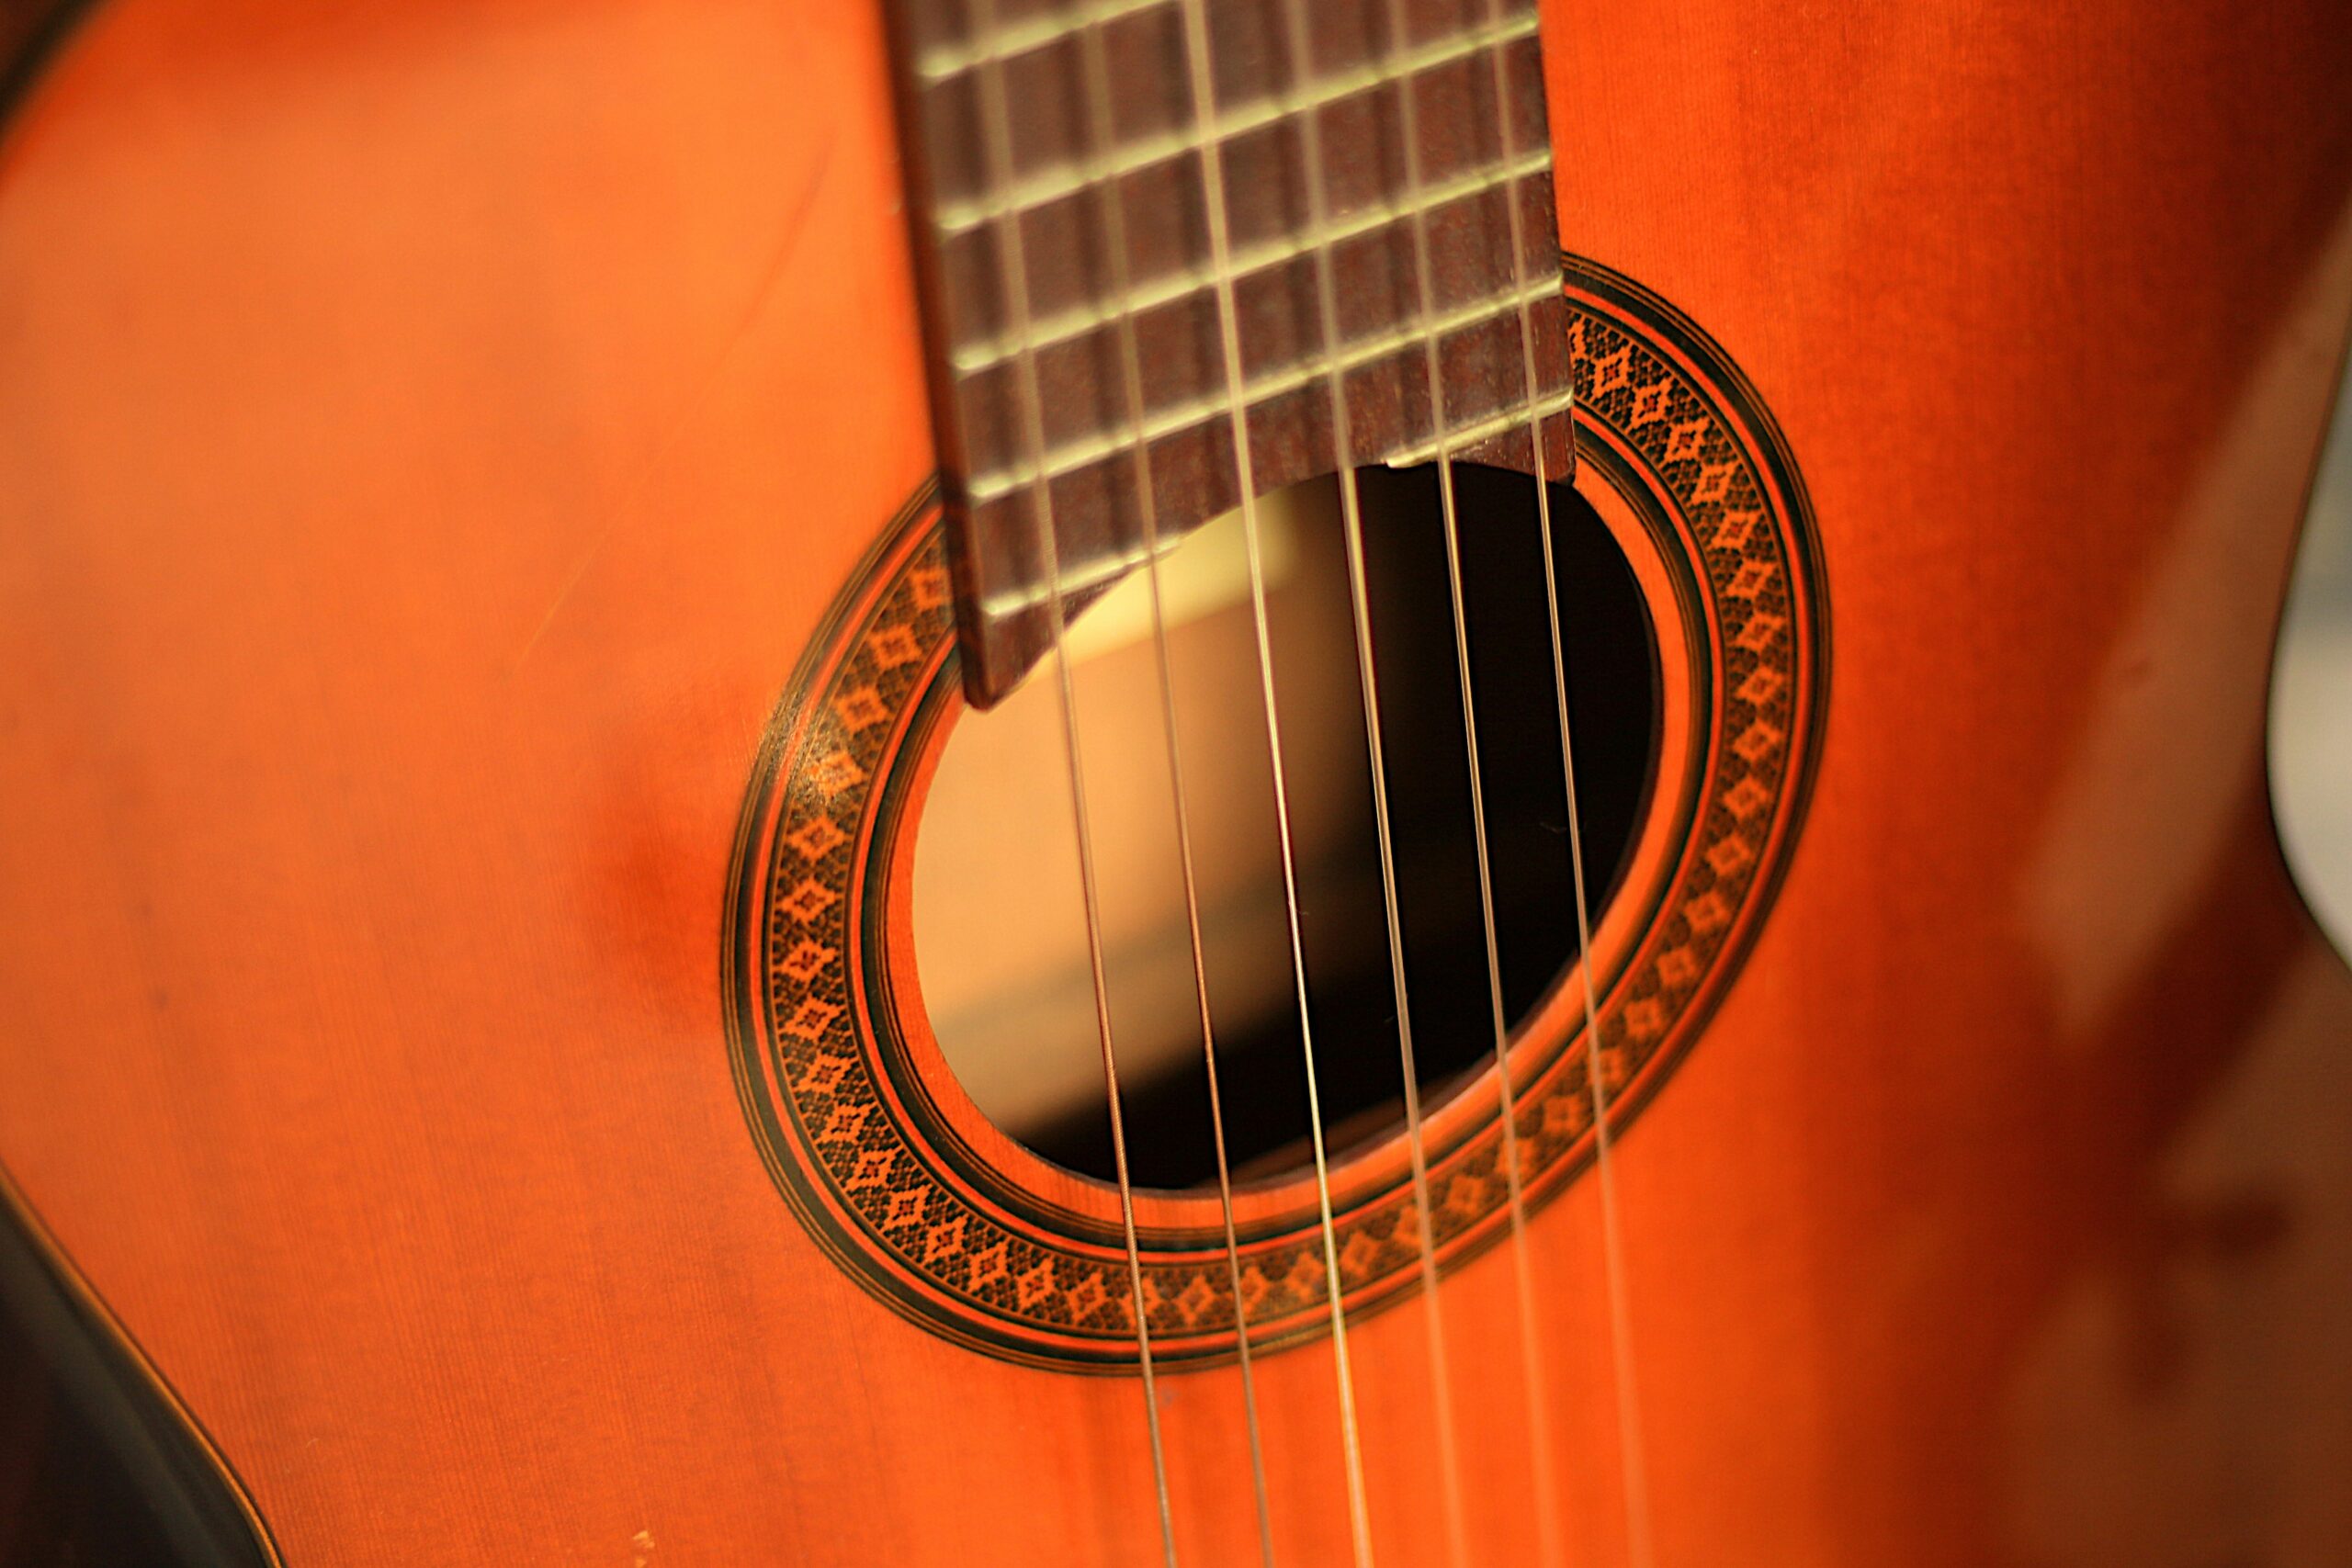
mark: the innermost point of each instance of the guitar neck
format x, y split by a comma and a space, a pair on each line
1150, 173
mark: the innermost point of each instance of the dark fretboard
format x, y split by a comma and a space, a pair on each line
1056, 185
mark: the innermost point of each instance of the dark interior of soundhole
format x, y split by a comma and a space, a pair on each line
1612, 697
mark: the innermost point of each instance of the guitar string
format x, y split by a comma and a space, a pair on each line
1204, 88
1632, 1468
1101, 130
1032, 412
997, 161
1548, 1511
1301, 46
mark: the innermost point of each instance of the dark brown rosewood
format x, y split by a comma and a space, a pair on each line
1095, 447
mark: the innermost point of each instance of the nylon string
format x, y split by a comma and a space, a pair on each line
1633, 1475
1204, 89
1443, 1422
996, 160
1547, 1513
1101, 132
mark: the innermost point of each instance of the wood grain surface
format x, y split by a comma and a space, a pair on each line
429, 435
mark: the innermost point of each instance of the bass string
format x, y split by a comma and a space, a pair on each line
998, 154
997, 159
1444, 1419
1101, 138
1632, 1468
1202, 84
1548, 1525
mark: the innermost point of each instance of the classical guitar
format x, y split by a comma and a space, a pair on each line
1186, 782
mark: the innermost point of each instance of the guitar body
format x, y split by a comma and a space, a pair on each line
432, 438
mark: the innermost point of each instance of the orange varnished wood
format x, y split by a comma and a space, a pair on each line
428, 435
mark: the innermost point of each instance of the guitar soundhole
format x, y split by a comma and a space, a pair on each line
999, 934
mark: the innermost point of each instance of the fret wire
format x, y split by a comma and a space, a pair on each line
1076, 321
1072, 455
1102, 571
1551, 405
1011, 39
1028, 192
1095, 571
